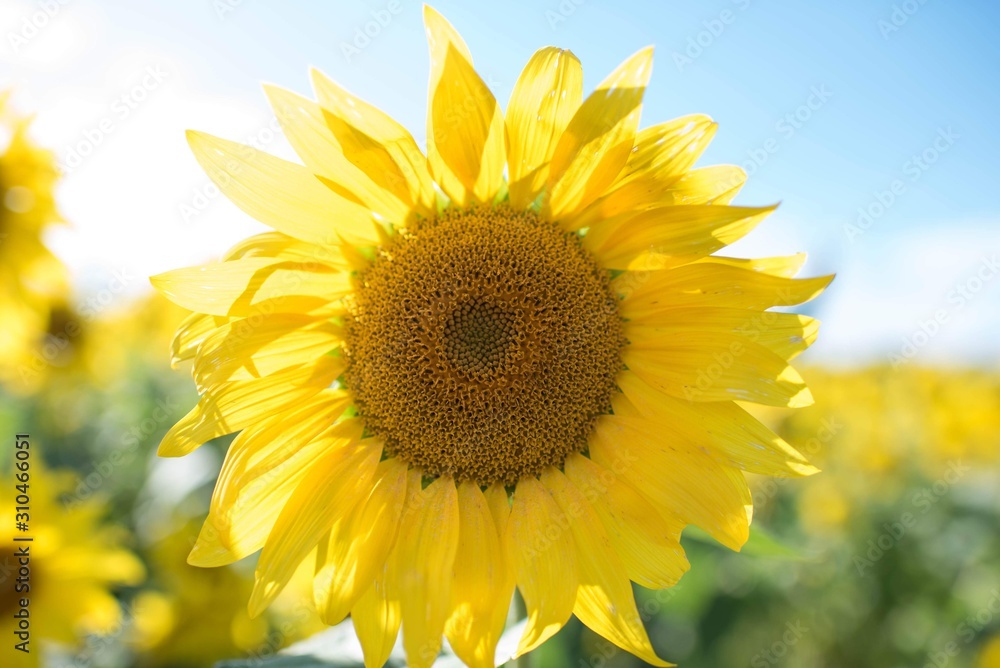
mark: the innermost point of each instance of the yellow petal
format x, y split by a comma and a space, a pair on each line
307, 128
646, 542
641, 185
377, 145
598, 140
784, 334
712, 284
738, 481
376, 618
255, 347
442, 34
251, 285
671, 235
640, 195
787, 266
732, 435
190, 333
360, 545
263, 466
604, 599
330, 491
541, 549
669, 149
422, 566
481, 590
543, 101
715, 366
281, 194
465, 130
679, 480
238, 404
499, 503
280, 245
717, 184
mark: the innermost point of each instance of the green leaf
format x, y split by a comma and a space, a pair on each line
762, 543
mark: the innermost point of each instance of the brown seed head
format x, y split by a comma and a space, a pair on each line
483, 345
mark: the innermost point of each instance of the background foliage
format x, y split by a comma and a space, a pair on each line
889, 557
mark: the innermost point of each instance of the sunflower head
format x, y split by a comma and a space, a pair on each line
512, 361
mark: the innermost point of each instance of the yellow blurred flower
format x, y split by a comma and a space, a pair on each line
134, 334
101, 351
196, 616
823, 504
873, 428
989, 655
192, 616
74, 562
32, 281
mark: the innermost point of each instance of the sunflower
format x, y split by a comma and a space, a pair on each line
512, 362
33, 283
75, 560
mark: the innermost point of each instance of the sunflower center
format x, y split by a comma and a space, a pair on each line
483, 344
480, 336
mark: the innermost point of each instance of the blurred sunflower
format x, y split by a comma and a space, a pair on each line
75, 560
138, 327
453, 382
33, 283
989, 655
195, 616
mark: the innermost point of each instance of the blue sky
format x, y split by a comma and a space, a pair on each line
885, 107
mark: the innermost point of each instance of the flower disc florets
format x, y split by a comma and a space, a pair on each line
483, 344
